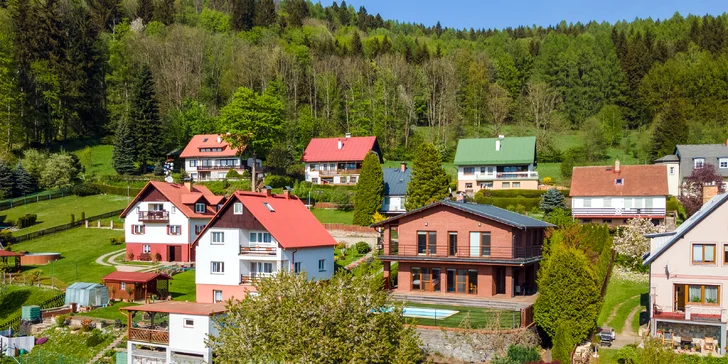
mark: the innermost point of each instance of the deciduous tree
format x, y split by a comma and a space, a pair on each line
692, 196
369, 191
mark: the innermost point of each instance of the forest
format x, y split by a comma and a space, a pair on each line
154, 72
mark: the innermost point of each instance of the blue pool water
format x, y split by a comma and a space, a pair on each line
430, 313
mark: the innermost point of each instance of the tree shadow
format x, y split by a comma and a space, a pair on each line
12, 301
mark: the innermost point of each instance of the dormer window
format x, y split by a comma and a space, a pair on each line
619, 181
199, 207
204, 140
698, 163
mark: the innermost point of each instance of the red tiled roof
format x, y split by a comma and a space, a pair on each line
327, 149
207, 141
181, 198
290, 222
640, 180
137, 277
185, 308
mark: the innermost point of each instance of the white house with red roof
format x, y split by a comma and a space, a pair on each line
207, 157
337, 161
256, 235
165, 218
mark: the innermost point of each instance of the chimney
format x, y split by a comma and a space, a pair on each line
726, 142
341, 144
287, 192
501, 136
403, 166
219, 139
616, 166
188, 184
268, 190
709, 192
348, 135
497, 145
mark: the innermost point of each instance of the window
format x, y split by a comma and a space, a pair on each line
725, 254
468, 186
312, 167
506, 185
260, 238
485, 244
322, 265
260, 269
269, 207
217, 295
199, 207
469, 170
146, 248
607, 221
193, 162
156, 207
722, 162
219, 206
619, 181
352, 179
198, 229
486, 185
189, 323
698, 163
426, 242
174, 230
217, 267
238, 208
137, 229
587, 202
297, 267
703, 253
452, 244
218, 237
122, 285
343, 179
607, 202
482, 169
174, 209
314, 181
479, 244
516, 184
672, 171
701, 294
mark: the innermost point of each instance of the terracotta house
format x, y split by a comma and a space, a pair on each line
207, 157
337, 161
143, 285
463, 248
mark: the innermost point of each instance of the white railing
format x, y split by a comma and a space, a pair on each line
506, 175
612, 211
703, 310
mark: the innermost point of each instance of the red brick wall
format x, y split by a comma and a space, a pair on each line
486, 284
162, 249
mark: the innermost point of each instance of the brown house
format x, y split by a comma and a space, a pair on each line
462, 248
136, 285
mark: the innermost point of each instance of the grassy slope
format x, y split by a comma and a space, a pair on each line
65, 347
79, 248
100, 160
620, 292
326, 216
58, 211
110, 312
182, 286
17, 296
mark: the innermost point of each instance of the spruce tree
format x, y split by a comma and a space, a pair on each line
356, 47
164, 12
369, 191
6, 181
124, 150
265, 13
145, 10
552, 199
145, 122
24, 184
429, 181
243, 14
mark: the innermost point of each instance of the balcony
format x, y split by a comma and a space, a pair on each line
505, 176
154, 216
251, 278
586, 212
258, 250
465, 254
150, 336
218, 168
338, 172
692, 313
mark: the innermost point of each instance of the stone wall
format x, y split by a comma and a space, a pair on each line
350, 238
473, 346
693, 331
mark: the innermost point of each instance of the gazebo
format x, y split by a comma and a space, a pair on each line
5, 254
136, 286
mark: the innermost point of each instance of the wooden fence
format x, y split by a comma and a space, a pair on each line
64, 227
44, 196
54, 302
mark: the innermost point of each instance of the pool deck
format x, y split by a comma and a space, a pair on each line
501, 302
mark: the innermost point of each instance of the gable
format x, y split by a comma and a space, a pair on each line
227, 219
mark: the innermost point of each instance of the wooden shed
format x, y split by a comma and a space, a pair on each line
136, 285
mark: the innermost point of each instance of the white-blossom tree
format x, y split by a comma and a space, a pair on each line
630, 240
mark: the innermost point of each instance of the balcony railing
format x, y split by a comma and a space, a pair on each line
152, 216
505, 175
150, 336
217, 168
337, 172
258, 250
492, 253
250, 278
612, 211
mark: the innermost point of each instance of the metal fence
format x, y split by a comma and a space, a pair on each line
44, 196
64, 227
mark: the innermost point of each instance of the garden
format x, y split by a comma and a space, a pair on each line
14, 297
67, 344
344, 255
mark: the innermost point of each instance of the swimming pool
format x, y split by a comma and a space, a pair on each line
429, 313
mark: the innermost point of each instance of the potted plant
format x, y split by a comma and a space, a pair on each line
130, 293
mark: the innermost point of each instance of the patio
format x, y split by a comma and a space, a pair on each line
690, 339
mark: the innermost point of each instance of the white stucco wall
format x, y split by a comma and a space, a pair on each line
226, 252
619, 202
156, 232
673, 178
190, 339
309, 259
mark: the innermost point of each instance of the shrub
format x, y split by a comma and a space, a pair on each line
95, 338
6, 238
118, 324
673, 204
362, 248
130, 256
340, 197
278, 181
509, 203
119, 241
512, 193
26, 220
157, 257
61, 320
87, 325
85, 189
547, 180
341, 245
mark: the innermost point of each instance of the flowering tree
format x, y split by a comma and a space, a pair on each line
692, 199
630, 240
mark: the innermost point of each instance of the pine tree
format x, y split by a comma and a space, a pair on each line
297, 11
344, 15
6, 181
145, 10
369, 191
146, 124
265, 13
552, 199
24, 184
429, 182
243, 14
164, 11
362, 19
356, 47
124, 150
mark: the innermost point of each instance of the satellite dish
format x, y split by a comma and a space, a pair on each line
169, 179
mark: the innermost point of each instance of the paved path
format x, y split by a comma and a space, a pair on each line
109, 260
102, 259
111, 346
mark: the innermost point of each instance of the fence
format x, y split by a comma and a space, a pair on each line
64, 227
54, 302
20, 201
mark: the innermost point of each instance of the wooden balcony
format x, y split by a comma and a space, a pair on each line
150, 336
465, 254
258, 250
338, 172
154, 216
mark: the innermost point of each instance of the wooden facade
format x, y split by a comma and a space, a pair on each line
140, 290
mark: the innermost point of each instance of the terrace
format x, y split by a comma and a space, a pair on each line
154, 216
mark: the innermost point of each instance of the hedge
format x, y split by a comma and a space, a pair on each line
505, 202
278, 181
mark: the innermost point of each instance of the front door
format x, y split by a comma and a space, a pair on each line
451, 280
679, 297
500, 280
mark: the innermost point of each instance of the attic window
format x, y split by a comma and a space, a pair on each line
199, 208
269, 207
619, 181
204, 140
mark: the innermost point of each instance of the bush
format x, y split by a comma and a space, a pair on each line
130, 256
232, 174
362, 248
95, 338
85, 189
26, 220
61, 320
278, 181
673, 204
340, 245
513, 193
118, 241
340, 197
87, 325
157, 257
548, 180
6, 238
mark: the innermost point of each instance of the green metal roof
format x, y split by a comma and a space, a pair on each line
513, 150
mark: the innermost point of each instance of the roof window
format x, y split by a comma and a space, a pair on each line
269, 207
619, 181
204, 140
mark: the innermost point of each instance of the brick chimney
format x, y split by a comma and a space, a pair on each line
403, 166
188, 184
709, 192
616, 166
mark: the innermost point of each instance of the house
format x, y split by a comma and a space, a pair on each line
337, 161
496, 163
687, 275
207, 157
164, 218
395, 189
463, 248
689, 157
256, 235
615, 194
136, 286
171, 332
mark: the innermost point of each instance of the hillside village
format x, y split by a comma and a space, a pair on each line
287, 181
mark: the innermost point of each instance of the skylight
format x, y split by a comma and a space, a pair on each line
204, 140
619, 181
269, 207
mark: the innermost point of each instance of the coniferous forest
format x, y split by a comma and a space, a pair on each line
151, 73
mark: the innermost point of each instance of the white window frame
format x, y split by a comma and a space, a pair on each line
175, 230
188, 322
516, 184
198, 209
587, 202
217, 267
672, 171
146, 248
217, 237
122, 286
193, 162
322, 265
238, 208
698, 163
137, 230
722, 163
215, 293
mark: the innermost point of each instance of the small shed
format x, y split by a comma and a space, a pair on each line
136, 286
10, 260
87, 294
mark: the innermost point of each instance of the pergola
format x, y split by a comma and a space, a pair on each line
4, 255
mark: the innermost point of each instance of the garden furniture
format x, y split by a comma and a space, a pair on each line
709, 344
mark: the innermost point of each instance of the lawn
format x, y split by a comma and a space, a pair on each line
182, 286
14, 297
326, 216
110, 312
351, 255
79, 248
99, 160
479, 317
627, 293
58, 211
608, 356
63, 346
